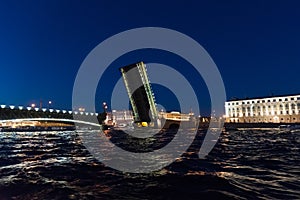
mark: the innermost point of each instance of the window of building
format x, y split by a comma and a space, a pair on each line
280, 100
274, 100
263, 101
293, 106
298, 98
253, 102
286, 99
269, 100
258, 101
281, 119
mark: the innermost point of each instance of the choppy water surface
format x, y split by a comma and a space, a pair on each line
243, 165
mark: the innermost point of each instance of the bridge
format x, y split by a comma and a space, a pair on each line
20, 121
19, 116
140, 93
16, 112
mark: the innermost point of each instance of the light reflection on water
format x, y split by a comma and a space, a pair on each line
244, 164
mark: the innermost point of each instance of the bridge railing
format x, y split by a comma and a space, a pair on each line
19, 112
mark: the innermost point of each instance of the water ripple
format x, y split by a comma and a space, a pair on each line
243, 165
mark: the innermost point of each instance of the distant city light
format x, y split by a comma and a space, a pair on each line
81, 109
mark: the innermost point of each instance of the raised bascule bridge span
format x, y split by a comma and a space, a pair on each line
143, 101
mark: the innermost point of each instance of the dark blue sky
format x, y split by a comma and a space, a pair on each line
255, 44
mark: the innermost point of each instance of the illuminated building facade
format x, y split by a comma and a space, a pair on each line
176, 116
277, 109
119, 117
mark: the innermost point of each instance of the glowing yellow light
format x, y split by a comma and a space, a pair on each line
144, 124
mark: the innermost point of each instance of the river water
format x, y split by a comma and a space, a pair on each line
243, 165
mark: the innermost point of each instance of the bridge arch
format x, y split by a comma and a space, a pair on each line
51, 119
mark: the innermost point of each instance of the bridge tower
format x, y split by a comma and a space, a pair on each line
140, 93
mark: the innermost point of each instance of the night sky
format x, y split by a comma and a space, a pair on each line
255, 44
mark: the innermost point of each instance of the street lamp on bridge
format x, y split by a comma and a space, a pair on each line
49, 104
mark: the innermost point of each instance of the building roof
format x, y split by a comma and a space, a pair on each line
262, 97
